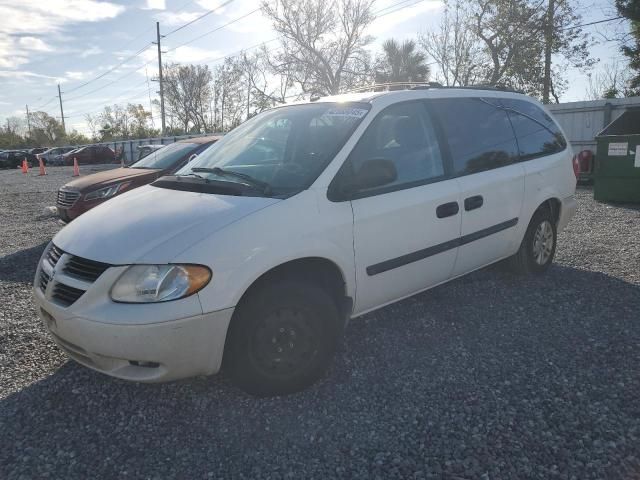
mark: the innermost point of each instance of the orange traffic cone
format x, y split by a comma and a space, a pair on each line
76, 168
25, 166
43, 171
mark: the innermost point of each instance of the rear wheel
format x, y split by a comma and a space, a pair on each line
282, 338
538, 246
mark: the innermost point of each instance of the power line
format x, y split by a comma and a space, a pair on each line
47, 103
111, 69
199, 18
108, 84
214, 30
592, 23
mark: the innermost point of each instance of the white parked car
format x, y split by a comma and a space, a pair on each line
257, 253
50, 155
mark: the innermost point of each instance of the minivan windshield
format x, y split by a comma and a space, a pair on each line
166, 156
284, 149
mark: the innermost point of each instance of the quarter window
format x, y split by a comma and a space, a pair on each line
537, 133
479, 134
403, 134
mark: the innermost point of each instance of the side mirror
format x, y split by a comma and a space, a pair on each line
192, 157
375, 172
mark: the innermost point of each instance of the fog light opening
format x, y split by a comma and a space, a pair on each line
137, 363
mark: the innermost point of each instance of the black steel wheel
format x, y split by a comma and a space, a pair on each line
282, 338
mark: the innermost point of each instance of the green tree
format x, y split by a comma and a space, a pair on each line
630, 44
401, 62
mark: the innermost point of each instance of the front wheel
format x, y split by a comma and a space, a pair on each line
282, 338
538, 246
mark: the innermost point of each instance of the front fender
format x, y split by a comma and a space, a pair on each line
296, 228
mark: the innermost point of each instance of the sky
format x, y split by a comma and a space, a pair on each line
100, 51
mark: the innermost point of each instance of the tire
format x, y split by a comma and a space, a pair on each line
538, 246
282, 338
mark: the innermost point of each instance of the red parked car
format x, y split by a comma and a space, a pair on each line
90, 154
84, 193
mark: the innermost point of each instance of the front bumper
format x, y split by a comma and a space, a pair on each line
139, 342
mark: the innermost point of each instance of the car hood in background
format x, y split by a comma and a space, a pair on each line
152, 225
110, 176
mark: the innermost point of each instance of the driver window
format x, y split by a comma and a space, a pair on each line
403, 134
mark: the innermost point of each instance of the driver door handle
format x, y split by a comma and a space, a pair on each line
447, 210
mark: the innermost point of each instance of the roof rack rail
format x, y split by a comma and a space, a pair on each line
380, 87
390, 86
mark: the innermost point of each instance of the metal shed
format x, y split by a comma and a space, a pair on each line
582, 121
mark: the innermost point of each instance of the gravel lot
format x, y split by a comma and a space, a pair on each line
492, 376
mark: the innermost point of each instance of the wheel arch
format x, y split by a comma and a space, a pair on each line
317, 270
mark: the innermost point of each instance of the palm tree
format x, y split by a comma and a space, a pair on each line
401, 63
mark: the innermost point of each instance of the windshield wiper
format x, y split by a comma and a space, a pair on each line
254, 182
191, 174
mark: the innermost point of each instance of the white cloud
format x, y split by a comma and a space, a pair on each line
37, 16
93, 50
389, 18
155, 5
211, 4
171, 19
29, 20
33, 43
189, 54
75, 75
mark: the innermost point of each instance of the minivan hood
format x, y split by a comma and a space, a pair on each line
152, 224
88, 182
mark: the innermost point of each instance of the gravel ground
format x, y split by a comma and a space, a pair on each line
492, 376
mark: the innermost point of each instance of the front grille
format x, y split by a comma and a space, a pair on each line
66, 295
72, 266
54, 255
67, 198
84, 269
44, 280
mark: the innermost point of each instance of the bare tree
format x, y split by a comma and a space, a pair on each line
322, 42
269, 83
610, 82
513, 36
455, 49
188, 92
45, 129
230, 94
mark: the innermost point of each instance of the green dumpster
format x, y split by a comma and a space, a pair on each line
617, 167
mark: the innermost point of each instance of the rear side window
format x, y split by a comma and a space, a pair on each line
478, 131
537, 133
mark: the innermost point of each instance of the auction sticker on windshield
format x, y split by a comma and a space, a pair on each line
346, 112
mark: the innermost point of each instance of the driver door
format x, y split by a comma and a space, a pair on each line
405, 233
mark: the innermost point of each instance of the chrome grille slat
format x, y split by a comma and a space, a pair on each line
44, 280
84, 269
65, 294
54, 255
73, 267
67, 198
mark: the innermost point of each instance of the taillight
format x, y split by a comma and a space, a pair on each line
576, 165
585, 161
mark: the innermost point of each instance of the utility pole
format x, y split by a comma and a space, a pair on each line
28, 120
64, 130
548, 42
160, 78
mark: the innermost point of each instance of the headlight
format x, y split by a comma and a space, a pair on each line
159, 283
106, 192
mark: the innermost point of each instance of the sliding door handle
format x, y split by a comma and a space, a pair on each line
447, 209
474, 202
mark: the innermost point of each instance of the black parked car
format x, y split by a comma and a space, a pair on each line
13, 158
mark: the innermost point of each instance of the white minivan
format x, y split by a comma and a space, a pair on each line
255, 254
